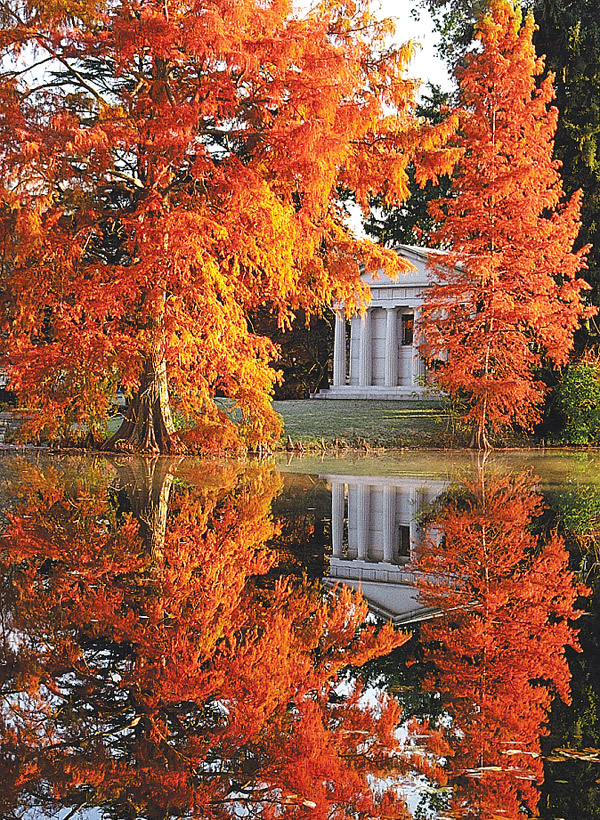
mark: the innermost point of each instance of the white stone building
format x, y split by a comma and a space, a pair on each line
381, 359
374, 528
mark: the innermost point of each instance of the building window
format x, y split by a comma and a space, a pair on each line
408, 326
404, 541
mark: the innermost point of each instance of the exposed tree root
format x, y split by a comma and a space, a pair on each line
148, 426
479, 439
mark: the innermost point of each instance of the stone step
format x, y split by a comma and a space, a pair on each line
375, 393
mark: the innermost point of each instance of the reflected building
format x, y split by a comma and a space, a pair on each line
375, 527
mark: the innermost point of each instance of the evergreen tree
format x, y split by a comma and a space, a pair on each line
455, 24
569, 37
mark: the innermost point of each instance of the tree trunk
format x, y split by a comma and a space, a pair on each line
148, 426
479, 440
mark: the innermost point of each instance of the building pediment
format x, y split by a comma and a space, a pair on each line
417, 278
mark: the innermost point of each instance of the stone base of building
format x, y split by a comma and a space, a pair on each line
414, 393
389, 590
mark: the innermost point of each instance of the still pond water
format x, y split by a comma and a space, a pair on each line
322, 639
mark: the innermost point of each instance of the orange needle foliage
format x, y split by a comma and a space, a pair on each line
179, 170
507, 298
182, 681
506, 598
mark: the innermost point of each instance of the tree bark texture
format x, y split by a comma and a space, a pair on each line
148, 426
479, 439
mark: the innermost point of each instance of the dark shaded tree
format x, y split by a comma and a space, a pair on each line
455, 24
568, 36
305, 352
412, 223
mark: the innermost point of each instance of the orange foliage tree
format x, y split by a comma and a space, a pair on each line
180, 681
506, 298
506, 599
169, 168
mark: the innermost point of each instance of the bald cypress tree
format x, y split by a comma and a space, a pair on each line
507, 297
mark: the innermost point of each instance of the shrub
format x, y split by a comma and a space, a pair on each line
578, 401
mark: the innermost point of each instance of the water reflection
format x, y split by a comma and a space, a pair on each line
476, 566
155, 665
375, 526
168, 648
497, 653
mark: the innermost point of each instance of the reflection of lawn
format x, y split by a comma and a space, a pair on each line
381, 423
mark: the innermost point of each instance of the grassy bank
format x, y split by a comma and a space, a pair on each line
352, 423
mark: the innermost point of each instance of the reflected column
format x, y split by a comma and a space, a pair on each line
363, 520
389, 523
337, 517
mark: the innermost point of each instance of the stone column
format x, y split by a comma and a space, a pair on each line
389, 523
339, 349
391, 348
363, 520
355, 326
418, 362
364, 361
337, 517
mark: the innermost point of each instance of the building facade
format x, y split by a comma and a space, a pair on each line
376, 356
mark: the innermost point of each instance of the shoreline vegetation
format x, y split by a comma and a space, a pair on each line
335, 426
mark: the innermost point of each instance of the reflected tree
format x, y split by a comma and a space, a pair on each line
573, 742
506, 600
144, 490
158, 671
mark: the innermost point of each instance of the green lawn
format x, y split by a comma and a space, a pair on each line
380, 423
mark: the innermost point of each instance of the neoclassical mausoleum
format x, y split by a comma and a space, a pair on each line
380, 360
